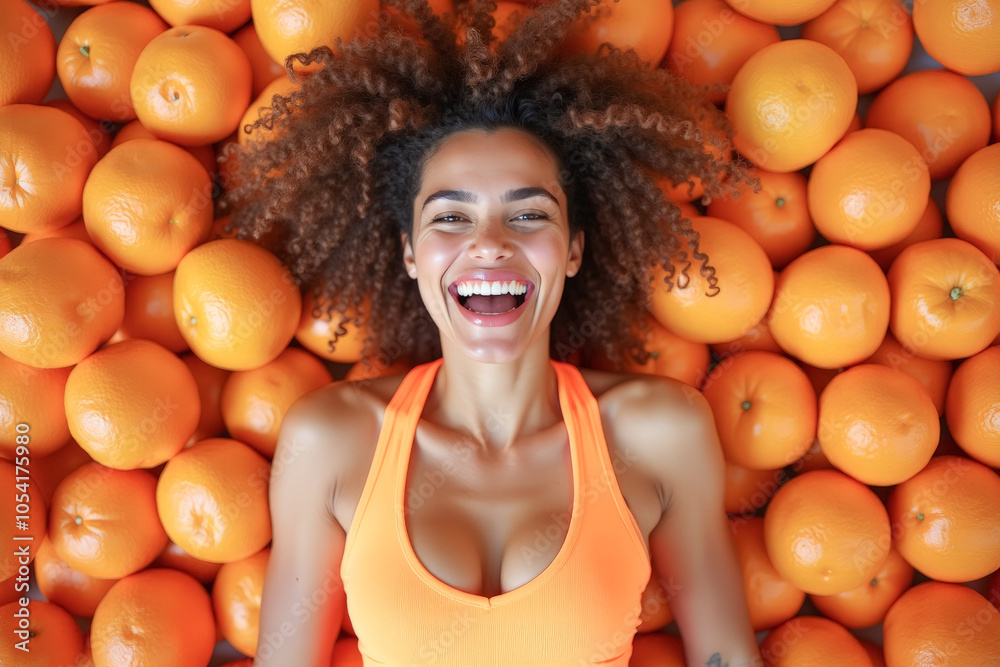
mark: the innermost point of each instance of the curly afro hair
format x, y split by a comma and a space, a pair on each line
332, 187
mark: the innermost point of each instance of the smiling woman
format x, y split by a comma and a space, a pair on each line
496, 206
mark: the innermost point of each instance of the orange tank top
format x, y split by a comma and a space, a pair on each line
582, 610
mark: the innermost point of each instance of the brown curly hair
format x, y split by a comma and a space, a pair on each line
333, 189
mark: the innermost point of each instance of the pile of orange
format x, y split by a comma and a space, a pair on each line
851, 355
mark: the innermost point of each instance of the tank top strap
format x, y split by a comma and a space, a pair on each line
412, 392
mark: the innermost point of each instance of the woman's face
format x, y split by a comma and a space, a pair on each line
490, 209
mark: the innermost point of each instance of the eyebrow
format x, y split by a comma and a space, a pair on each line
467, 197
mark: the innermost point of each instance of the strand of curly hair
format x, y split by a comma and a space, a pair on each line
332, 187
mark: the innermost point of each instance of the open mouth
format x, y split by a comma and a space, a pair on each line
490, 304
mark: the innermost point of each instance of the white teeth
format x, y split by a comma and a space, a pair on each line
470, 287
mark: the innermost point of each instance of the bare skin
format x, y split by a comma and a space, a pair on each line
491, 442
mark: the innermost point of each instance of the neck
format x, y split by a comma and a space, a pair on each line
495, 404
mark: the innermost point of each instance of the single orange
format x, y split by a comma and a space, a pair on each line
945, 519
263, 67
945, 299
748, 490
254, 402
790, 103
47, 155
877, 424
74, 230
54, 637
867, 604
74, 591
287, 27
771, 599
27, 54
176, 558
25, 509
777, 217
962, 35
781, 12
224, 15
149, 311
99, 131
157, 617
134, 130
826, 533
943, 114
874, 37
711, 42
212, 499
934, 375
973, 406
210, 381
146, 204
326, 333
656, 649
52, 469
97, 55
236, 598
973, 201
236, 304
190, 85
930, 226
831, 307
645, 27
132, 404
702, 312
103, 521
261, 108
31, 397
764, 407
812, 640
937, 623
655, 613
60, 299
669, 356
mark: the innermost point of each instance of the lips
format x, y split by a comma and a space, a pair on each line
490, 276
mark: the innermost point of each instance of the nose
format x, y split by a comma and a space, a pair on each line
491, 241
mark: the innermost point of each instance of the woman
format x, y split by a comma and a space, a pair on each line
489, 209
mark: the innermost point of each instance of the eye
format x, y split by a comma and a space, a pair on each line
534, 216
450, 217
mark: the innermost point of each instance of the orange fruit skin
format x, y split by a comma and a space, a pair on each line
945, 299
973, 201
946, 519
657, 650
212, 499
210, 381
764, 407
943, 114
962, 35
52, 469
156, 617
191, 85
930, 226
791, 12
934, 375
711, 41
645, 27
98, 131
254, 402
97, 55
176, 558
790, 103
869, 191
54, 152
771, 600
973, 406
996, 118
744, 288
32, 396
298, 26
149, 312
874, 652
146, 204
132, 404
812, 640
814, 459
937, 623
670, 356
236, 598
316, 333
655, 612
261, 107
22, 502
831, 307
826, 532
748, 490
60, 299
74, 230
56, 639
223, 15
27, 54
135, 130
877, 424
262, 66
874, 37
777, 217
236, 304
118, 531
867, 604
74, 591
757, 338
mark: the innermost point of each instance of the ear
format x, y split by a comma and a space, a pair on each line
575, 254
408, 261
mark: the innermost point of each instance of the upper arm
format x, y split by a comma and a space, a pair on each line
691, 545
302, 603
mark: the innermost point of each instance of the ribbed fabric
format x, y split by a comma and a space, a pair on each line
582, 610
